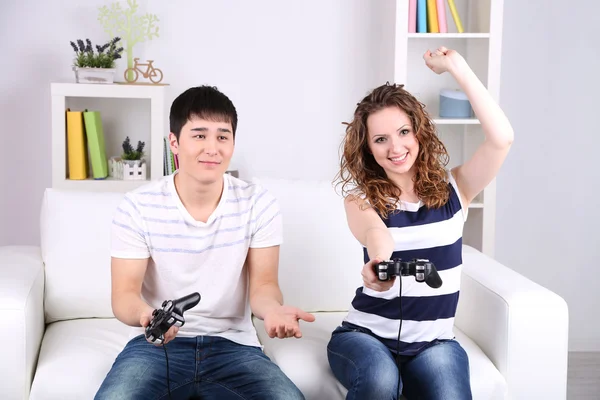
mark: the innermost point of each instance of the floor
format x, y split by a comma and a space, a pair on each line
583, 381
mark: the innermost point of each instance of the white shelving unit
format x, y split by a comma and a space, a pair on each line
480, 44
136, 111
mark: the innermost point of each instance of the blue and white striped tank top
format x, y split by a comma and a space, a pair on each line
427, 313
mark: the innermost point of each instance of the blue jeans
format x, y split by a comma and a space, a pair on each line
202, 367
367, 368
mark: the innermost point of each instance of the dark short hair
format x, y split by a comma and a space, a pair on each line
205, 102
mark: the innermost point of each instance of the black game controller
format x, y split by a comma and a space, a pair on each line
423, 270
170, 314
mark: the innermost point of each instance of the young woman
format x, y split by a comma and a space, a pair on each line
402, 202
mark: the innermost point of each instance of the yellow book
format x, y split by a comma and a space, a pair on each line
432, 18
455, 16
76, 146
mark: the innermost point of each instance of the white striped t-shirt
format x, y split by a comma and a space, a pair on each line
189, 256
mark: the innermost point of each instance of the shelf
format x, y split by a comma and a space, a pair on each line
127, 110
114, 90
456, 121
100, 185
448, 35
480, 44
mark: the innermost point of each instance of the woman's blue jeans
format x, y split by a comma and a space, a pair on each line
367, 368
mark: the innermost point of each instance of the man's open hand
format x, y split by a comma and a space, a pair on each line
282, 322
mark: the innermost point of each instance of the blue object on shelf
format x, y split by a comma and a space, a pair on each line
454, 104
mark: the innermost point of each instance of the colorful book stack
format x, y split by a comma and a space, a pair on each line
85, 145
429, 16
170, 160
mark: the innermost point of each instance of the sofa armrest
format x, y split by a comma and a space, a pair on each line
22, 316
521, 326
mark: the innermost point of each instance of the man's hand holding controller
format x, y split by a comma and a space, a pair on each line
145, 320
162, 325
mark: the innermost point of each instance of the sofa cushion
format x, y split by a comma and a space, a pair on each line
316, 380
75, 242
320, 260
75, 357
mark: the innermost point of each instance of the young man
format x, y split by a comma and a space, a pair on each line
200, 230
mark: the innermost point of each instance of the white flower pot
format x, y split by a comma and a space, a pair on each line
134, 170
94, 75
127, 170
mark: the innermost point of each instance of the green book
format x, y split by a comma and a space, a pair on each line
96, 144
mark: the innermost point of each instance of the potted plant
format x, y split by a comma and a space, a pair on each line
95, 67
134, 165
131, 155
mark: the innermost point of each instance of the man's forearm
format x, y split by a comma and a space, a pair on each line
264, 298
129, 307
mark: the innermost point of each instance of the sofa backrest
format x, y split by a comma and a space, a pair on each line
75, 241
320, 261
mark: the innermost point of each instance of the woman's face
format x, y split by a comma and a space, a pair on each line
392, 141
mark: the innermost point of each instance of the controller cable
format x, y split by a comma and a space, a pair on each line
188, 302
164, 346
398, 343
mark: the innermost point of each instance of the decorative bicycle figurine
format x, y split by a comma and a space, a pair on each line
154, 74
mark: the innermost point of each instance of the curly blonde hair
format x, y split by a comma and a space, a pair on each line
364, 176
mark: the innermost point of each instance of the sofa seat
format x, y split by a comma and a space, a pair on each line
75, 357
88, 347
316, 380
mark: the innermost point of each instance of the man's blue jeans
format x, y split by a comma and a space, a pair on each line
366, 367
203, 367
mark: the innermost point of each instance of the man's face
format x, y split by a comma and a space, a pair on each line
204, 149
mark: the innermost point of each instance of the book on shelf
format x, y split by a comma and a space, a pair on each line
441, 16
412, 16
77, 152
85, 145
430, 16
170, 160
96, 144
455, 16
422, 16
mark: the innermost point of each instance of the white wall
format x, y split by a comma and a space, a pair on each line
295, 70
548, 219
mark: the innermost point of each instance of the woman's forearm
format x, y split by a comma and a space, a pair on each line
379, 243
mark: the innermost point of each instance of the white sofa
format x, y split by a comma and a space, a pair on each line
60, 338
